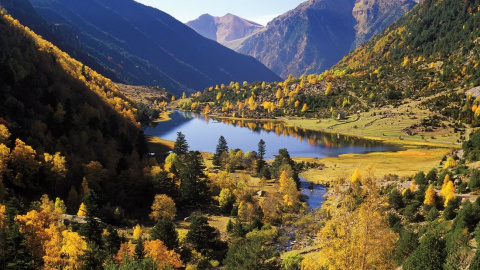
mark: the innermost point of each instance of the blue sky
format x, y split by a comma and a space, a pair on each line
260, 11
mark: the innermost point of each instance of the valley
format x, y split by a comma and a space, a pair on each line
130, 140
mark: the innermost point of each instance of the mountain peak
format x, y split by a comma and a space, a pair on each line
224, 29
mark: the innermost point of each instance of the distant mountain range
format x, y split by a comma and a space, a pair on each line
318, 33
224, 29
141, 45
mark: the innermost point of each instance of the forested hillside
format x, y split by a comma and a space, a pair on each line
62, 35
430, 55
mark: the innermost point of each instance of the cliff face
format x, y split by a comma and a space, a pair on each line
224, 29
318, 33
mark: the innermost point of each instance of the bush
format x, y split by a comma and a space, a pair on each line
433, 214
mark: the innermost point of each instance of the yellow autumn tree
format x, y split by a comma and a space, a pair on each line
184, 96
57, 163
305, 107
82, 210
159, 253
329, 90
281, 103
23, 162
356, 176
449, 192
163, 207
279, 93
450, 163
429, 196
356, 237
206, 110
73, 247
137, 232
126, 250
2, 216
288, 189
53, 258
297, 103
444, 185
413, 185
4, 134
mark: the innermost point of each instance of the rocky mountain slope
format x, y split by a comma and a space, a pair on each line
318, 33
224, 29
145, 46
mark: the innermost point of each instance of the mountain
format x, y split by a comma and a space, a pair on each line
224, 29
318, 33
427, 67
145, 46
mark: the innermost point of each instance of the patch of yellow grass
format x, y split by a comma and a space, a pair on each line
371, 125
402, 163
159, 145
163, 117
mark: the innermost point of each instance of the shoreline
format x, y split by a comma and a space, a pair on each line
404, 141
412, 157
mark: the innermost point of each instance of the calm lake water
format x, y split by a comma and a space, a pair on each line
202, 134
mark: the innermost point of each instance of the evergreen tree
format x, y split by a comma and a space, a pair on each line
162, 184
221, 148
260, 161
404, 246
193, 186
430, 254
139, 250
92, 229
181, 146
16, 254
93, 258
283, 159
205, 238
261, 149
249, 254
112, 240
165, 231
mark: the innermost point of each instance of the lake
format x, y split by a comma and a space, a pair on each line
202, 134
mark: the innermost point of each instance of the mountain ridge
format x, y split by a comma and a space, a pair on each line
145, 46
318, 33
225, 28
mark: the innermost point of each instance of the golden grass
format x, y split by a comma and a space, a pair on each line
402, 163
163, 117
159, 145
372, 126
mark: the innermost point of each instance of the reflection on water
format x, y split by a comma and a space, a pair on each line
202, 134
